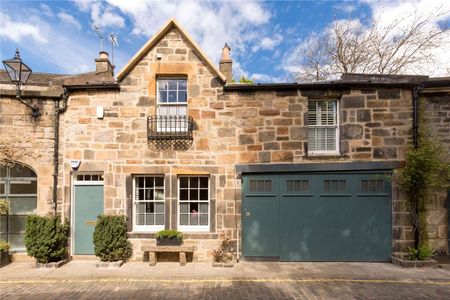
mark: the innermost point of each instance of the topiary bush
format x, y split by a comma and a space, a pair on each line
46, 238
110, 238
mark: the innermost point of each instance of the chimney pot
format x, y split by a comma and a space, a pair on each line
226, 63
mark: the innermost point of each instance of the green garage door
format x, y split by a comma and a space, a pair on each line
317, 217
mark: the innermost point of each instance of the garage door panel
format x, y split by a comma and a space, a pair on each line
333, 217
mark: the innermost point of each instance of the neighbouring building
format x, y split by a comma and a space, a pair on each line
291, 171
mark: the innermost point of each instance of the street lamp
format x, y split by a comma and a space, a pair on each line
19, 73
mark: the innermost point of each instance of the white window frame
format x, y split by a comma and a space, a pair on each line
147, 228
335, 126
196, 228
169, 104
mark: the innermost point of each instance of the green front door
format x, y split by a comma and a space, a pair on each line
88, 205
318, 217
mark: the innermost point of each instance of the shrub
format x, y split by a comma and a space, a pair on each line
423, 253
222, 253
4, 246
46, 238
110, 238
169, 234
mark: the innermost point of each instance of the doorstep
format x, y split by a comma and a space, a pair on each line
84, 257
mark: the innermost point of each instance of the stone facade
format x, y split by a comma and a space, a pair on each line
231, 127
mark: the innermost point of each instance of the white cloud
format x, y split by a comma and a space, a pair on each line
258, 77
69, 20
101, 14
46, 10
345, 7
211, 24
17, 30
268, 43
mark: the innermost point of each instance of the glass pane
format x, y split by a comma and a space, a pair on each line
163, 85
194, 182
149, 219
193, 219
172, 96
260, 185
184, 219
141, 194
193, 195
94, 177
23, 205
149, 207
159, 207
203, 208
252, 186
182, 84
182, 96
184, 194
204, 195
334, 185
3, 236
326, 185
305, 185
162, 97
184, 208
140, 219
148, 182
159, 194
268, 186
2, 171
17, 223
204, 219
172, 84
23, 187
193, 207
149, 194
3, 223
140, 182
2, 188
380, 186
159, 181
80, 177
159, 219
289, 186
364, 185
140, 208
342, 186
183, 182
17, 242
203, 182
20, 171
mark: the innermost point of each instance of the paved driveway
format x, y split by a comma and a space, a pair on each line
248, 280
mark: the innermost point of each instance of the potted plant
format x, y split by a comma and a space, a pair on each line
4, 253
111, 243
169, 238
222, 256
46, 239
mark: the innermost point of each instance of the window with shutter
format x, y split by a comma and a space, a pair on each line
323, 128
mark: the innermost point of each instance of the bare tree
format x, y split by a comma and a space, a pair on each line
348, 46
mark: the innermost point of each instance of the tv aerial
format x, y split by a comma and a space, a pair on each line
99, 31
114, 43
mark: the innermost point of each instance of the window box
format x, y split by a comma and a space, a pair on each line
169, 238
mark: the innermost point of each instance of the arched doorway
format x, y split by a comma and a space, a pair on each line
18, 185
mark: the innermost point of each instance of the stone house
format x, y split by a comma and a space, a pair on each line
291, 171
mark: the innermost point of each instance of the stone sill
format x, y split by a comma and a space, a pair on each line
109, 264
326, 157
414, 263
52, 265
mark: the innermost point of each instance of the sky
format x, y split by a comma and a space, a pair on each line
57, 36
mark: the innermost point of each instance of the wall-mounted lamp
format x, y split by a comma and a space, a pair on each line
19, 73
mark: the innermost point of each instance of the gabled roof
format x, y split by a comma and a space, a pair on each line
155, 39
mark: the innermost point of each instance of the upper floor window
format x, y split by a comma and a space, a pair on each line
172, 96
323, 128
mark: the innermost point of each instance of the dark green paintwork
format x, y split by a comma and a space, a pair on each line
319, 226
88, 205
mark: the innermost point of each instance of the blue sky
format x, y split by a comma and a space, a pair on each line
56, 36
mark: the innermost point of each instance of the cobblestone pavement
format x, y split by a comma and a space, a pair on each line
247, 280
122, 288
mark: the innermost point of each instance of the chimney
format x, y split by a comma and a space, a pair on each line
102, 64
226, 63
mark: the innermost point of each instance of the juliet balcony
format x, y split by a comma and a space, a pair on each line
170, 131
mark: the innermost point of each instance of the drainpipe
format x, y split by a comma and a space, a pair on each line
58, 110
415, 97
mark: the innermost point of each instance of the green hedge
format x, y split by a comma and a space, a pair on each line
110, 238
46, 238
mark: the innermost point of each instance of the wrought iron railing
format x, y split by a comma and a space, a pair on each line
169, 128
